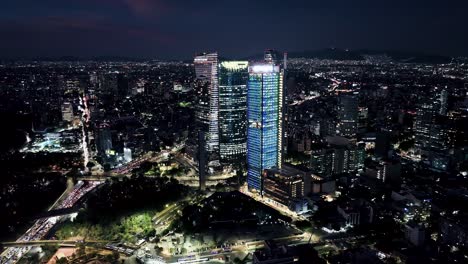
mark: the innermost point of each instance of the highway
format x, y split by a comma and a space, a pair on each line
50, 242
42, 226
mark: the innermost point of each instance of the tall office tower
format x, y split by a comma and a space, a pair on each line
443, 102
202, 106
122, 85
271, 56
321, 161
108, 83
348, 114
206, 70
233, 77
424, 119
429, 129
104, 139
274, 57
67, 112
382, 144
265, 121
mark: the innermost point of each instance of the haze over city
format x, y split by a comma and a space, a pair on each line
178, 29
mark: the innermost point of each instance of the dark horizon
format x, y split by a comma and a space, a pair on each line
292, 54
179, 29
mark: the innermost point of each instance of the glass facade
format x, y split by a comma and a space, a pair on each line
265, 115
206, 70
348, 115
233, 77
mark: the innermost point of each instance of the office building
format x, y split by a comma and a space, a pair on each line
67, 112
265, 121
337, 158
429, 129
127, 154
206, 70
122, 85
284, 186
104, 139
443, 102
415, 233
389, 171
348, 114
382, 144
272, 56
233, 77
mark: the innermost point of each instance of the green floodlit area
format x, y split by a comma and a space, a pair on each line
217, 223
185, 104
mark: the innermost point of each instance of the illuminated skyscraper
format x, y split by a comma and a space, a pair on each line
348, 115
443, 102
430, 133
67, 112
206, 70
233, 77
265, 121
271, 56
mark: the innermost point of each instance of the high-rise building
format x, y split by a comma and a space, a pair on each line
127, 154
108, 83
443, 102
233, 77
430, 133
265, 121
348, 115
67, 112
382, 144
206, 70
389, 171
122, 85
271, 56
104, 139
337, 159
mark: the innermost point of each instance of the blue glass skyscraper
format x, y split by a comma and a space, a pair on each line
265, 121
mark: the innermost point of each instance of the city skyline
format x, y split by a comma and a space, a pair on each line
233, 131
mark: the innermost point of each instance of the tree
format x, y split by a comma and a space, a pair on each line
406, 145
81, 250
107, 167
62, 260
115, 255
183, 251
90, 165
158, 249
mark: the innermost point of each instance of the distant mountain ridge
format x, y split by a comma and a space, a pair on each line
322, 54
356, 55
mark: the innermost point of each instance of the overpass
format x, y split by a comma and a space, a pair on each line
58, 212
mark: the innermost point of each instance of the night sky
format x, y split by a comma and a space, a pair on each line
178, 29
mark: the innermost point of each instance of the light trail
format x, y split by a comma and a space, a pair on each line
84, 120
42, 226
